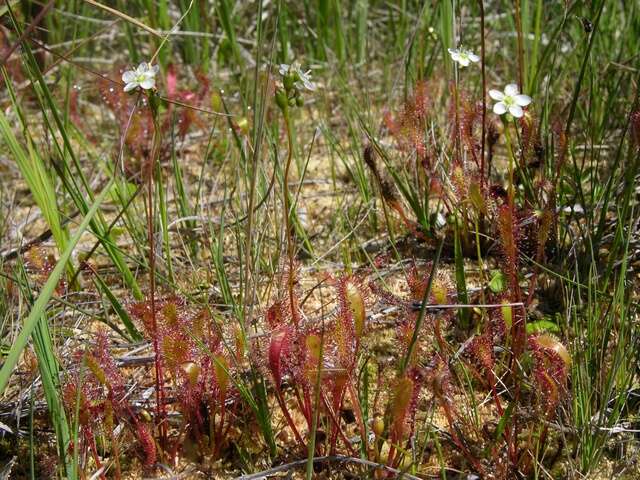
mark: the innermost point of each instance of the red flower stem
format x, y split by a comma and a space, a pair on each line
338, 429
160, 409
287, 218
484, 93
356, 408
454, 436
219, 435
287, 416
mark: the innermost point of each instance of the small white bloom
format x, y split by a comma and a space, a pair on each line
577, 208
144, 77
303, 79
510, 101
463, 57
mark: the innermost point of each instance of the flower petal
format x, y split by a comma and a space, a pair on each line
516, 111
148, 83
143, 67
496, 95
511, 90
284, 69
522, 100
128, 76
452, 50
473, 57
464, 61
130, 86
154, 70
455, 56
499, 108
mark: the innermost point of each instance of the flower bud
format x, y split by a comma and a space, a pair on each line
289, 82
281, 99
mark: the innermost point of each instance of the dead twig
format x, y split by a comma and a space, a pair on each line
326, 459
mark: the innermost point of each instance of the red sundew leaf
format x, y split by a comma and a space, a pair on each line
147, 444
481, 349
221, 368
390, 123
402, 395
73, 108
507, 228
551, 369
275, 317
355, 301
205, 85
279, 342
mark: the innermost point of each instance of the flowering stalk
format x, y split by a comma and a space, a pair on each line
294, 80
155, 150
287, 213
143, 79
518, 327
484, 94
511, 186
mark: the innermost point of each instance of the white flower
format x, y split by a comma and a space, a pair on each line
510, 101
577, 208
144, 77
463, 57
302, 79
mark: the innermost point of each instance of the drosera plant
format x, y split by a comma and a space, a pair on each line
288, 95
143, 78
522, 219
97, 394
319, 362
452, 372
199, 377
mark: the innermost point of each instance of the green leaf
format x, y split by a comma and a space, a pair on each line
544, 325
497, 282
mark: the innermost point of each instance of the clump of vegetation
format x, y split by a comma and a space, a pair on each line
414, 257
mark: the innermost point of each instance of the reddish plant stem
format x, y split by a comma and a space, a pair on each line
357, 410
287, 416
338, 431
338, 403
484, 93
303, 405
454, 436
219, 434
520, 46
160, 407
96, 457
496, 398
287, 219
